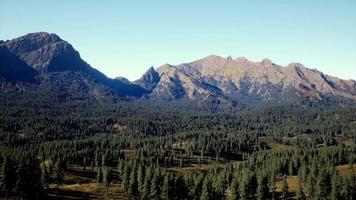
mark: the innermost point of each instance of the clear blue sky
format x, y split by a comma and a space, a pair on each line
124, 38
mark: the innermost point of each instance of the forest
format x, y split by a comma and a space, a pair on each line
132, 150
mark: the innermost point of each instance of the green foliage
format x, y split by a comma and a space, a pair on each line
143, 148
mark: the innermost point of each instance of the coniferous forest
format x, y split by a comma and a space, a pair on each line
136, 150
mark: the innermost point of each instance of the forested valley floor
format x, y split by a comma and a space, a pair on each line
128, 150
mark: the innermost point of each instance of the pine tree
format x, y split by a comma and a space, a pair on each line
133, 186
335, 186
235, 189
219, 186
107, 179
321, 185
8, 176
140, 179
205, 190
284, 188
99, 174
180, 189
271, 185
58, 173
45, 178
166, 187
126, 178
28, 184
309, 185
146, 185
154, 192
262, 188
244, 185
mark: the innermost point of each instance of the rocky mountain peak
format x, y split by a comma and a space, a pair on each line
149, 79
31, 42
267, 62
46, 52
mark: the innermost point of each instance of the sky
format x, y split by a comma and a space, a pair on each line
125, 38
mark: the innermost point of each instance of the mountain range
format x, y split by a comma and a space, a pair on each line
44, 62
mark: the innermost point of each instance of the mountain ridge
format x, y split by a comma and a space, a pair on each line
236, 72
209, 80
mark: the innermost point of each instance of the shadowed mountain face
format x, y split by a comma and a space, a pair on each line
13, 69
49, 62
49, 55
240, 80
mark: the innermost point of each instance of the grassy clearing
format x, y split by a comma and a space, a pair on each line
344, 169
273, 145
79, 184
292, 182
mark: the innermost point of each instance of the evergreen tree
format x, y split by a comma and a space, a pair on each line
166, 187
133, 186
284, 188
154, 187
8, 176
126, 178
58, 173
107, 179
99, 175
28, 184
271, 185
205, 190
140, 178
262, 188
146, 185
235, 189
335, 186
219, 187
45, 178
322, 188
244, 185
309, 185
180, 190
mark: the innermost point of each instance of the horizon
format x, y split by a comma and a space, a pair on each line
125, 39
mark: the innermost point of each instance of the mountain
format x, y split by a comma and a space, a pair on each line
50, 56
45, 64
236, 81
